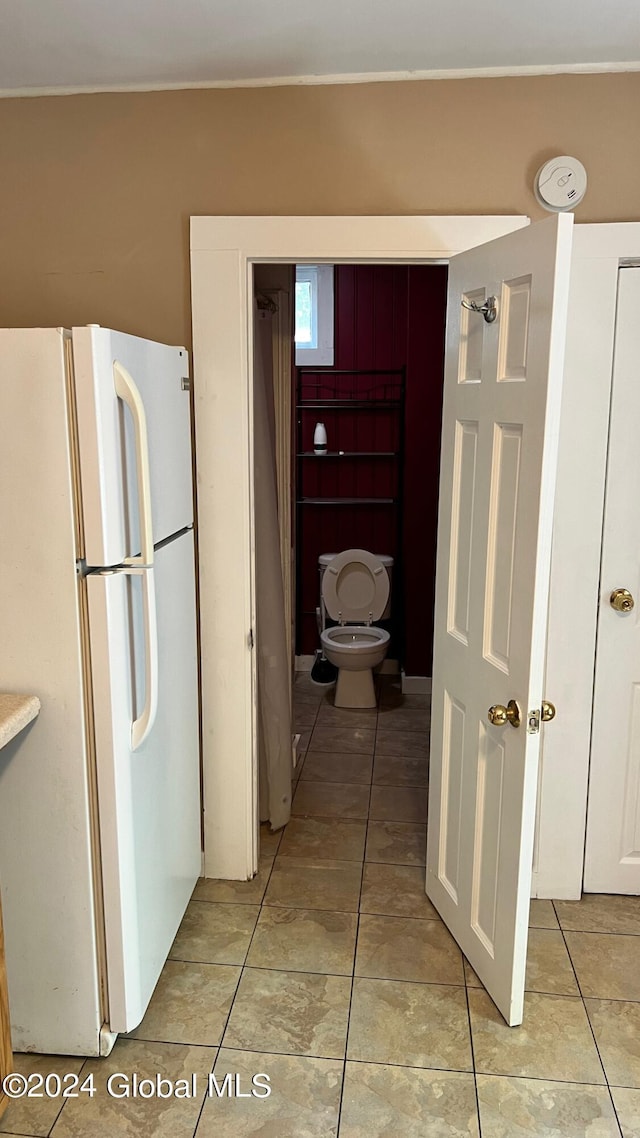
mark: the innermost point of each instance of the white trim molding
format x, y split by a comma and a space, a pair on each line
416, 685
336, 80
223, 250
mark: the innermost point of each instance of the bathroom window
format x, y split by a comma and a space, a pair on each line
314, 315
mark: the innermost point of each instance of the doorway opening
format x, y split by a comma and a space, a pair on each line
375, 488
223, 253
389, 342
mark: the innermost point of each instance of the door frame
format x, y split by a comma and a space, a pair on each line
598, 252
223, 251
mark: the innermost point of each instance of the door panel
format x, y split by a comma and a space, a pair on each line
612, 854
501, 414
107, 443
149, 800
503, 503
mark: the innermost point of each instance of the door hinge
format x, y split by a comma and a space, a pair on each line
185, 383
533, 723
250, 640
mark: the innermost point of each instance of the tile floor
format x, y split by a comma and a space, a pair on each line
332, 973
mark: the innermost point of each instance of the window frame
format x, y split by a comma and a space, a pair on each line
322, 353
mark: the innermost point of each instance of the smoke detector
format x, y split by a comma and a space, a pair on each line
560, 184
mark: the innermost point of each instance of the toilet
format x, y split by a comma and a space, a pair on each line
355, 591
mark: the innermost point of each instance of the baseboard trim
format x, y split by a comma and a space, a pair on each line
416, 685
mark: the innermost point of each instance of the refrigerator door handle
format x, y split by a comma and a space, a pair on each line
127, 391
141, 726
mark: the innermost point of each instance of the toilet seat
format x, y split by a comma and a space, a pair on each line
355, 587
354, 638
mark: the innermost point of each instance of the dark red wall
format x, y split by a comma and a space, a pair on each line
427, 305
386, 317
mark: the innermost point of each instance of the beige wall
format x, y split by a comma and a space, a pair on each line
96, 190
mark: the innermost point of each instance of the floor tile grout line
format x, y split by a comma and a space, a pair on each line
368, 1062
360, 817
263, 906
615, 1109
597, 932
364, 1062
411, 1066
355, 950
540, 1079
376, 785
64, 1101
610, 999
244, 904
353, 971
341, 975
204, 1100
126, 1037
391, 916
162, 1042
586, 1012
243, 965
473, 1053
348, 860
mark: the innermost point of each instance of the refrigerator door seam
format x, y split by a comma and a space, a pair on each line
94, 806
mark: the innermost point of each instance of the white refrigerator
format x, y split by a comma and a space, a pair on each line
100, 824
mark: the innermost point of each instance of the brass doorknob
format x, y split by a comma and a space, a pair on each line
499, 715
621, 600
548, 711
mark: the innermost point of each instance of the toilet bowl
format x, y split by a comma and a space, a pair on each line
355, 591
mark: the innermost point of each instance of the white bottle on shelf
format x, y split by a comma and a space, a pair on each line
320, 439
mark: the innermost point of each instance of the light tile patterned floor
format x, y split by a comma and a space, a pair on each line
332, 973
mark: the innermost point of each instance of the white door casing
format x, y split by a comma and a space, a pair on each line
222, 252
500, 437
612, 852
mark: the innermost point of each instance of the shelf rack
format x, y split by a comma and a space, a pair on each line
338, 391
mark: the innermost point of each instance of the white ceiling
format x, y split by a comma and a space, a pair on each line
115, 44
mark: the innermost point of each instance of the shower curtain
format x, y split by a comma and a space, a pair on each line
274, 707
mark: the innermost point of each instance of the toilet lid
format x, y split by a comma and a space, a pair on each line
355, 587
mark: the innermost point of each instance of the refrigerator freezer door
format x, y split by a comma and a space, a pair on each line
110, 440
148, 799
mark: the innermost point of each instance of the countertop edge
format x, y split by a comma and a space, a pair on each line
16, 712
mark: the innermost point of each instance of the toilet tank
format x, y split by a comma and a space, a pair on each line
383, 558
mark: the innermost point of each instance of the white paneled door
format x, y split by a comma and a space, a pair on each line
503, 381
612, 853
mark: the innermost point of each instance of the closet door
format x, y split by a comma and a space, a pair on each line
612, 854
